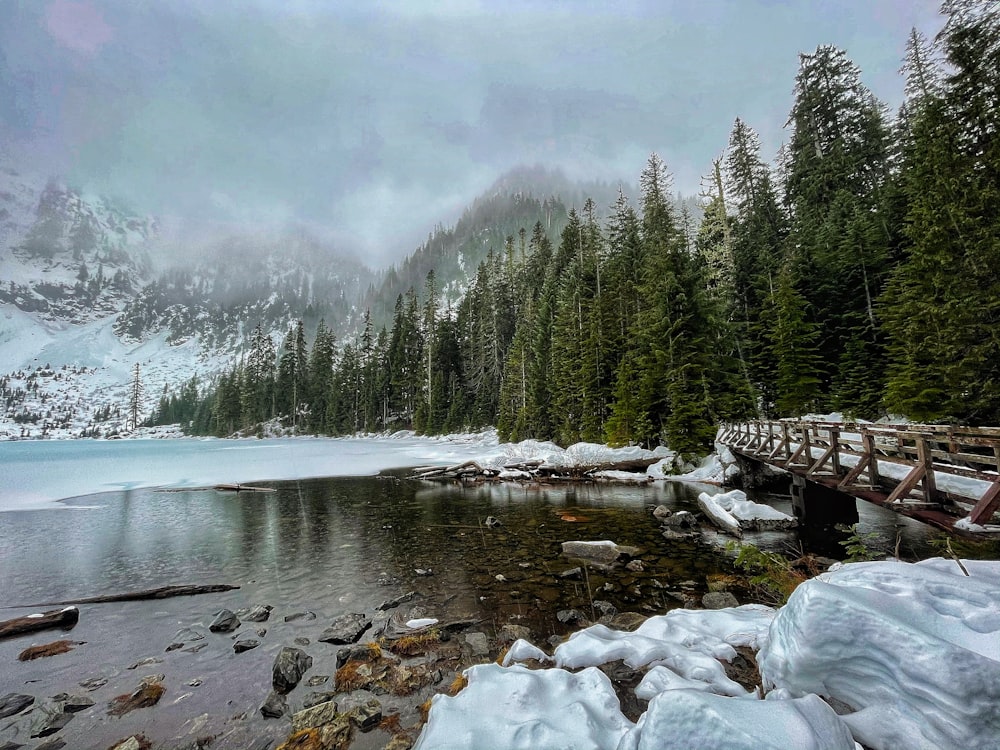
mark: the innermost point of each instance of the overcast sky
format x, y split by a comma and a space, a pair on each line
376, 120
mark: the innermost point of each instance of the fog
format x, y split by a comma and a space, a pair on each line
369, 123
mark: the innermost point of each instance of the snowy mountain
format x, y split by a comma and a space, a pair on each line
64, 255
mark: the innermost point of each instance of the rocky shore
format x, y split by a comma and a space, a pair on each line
361, 680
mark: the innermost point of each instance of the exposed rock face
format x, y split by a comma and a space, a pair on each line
346, 628
289, 666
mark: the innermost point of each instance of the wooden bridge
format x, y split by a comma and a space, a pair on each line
936, 474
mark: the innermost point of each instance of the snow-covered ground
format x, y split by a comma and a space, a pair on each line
910, 652
34, 474
91, 369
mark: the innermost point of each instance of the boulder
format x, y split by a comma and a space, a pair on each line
346, 628
682, 519
289, 666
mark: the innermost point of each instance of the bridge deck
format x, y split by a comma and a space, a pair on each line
936, 474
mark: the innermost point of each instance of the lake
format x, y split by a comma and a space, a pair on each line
325, 546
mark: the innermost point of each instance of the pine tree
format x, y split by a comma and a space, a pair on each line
135, 394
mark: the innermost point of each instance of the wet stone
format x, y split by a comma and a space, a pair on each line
73, 703
682, 519
148, 661
317, 679
257, 613
478, 643
635, 566
301, 641
570, 616
245, 644
275, 706
719, 600
225, 622
572, 573
289, 666
315, 698
300, 616
356, 652
14, 703
384, 579
409, 596
366, 716
93, 683
607, 609
346, 628
316, 716
49, 718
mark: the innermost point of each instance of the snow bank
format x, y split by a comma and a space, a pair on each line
914, 648
515, 707
695, 719
689, 642
548, 455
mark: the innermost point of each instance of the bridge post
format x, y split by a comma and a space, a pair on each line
817, 506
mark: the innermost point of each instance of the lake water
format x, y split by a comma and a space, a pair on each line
329, 546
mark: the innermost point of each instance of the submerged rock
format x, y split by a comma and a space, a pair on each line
603, 552
346, 628
289, 666
14, 703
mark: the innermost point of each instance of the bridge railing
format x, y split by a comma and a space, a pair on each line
910, 458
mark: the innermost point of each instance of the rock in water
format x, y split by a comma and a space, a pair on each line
245, 645
225, 622
603, 552
289, 666
14, 703
346, 628
257, 613
275, 706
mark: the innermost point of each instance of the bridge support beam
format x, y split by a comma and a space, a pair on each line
818, 507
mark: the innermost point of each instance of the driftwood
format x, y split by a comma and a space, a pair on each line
163, 592
241, 488
55, 618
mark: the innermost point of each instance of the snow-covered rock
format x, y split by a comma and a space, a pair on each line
719, 515
751, 515
515, 707
913, 648
695, 719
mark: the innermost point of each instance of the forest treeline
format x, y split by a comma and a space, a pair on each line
860, 271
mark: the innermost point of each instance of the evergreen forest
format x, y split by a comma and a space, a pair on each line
858, 271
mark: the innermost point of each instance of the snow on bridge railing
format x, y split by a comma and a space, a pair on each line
936, 461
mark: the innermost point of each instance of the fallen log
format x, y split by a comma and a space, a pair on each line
55, 618
163, 592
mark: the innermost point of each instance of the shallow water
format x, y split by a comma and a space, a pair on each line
328, 546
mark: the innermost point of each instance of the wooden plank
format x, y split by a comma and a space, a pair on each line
904, 488
988, 504
927, 461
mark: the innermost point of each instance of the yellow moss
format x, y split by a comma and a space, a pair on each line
349, 678
307, 739
412, 645
458, 684
425, 709
391, 723
502, 655
375, 649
